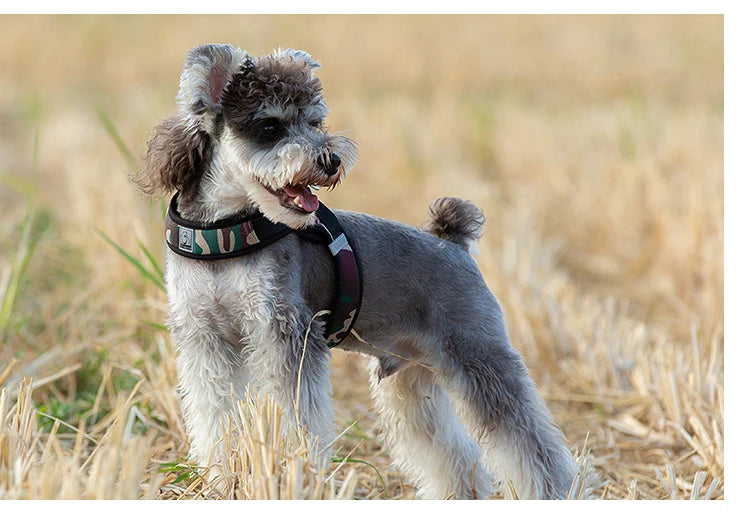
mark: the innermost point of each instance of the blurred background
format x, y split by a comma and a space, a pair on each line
594, 145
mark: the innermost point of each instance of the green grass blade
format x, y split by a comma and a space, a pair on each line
138, 265
116, 138
157, 270
156, 325
19, 184
356, 432
24, 250
17, 270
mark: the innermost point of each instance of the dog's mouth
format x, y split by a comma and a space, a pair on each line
296, 197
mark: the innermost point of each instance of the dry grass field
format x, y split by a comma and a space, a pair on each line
594, 145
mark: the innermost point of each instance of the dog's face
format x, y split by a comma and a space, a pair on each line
249, 131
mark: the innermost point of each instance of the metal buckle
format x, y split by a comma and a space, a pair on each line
338, 244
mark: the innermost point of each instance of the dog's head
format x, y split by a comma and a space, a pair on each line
249, 132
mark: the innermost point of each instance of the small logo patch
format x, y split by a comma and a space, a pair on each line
186, 239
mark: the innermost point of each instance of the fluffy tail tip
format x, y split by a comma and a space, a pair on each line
457, 221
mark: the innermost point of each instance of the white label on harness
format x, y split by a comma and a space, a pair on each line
186, 239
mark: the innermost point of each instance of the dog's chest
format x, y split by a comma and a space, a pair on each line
224, 297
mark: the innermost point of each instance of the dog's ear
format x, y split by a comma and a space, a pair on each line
180, 146
207, 71
175, 158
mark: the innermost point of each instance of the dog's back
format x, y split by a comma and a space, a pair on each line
416, 277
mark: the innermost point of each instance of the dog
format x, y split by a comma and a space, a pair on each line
458, 409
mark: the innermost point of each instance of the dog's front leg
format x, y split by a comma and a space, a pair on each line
290, 363
209, 372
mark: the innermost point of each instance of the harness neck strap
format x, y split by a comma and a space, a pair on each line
226, 238
237, 236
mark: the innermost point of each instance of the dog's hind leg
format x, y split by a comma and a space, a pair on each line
425, 437
500, 403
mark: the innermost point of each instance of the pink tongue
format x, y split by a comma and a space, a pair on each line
306, 199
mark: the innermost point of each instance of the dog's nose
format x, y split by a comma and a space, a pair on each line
331, 165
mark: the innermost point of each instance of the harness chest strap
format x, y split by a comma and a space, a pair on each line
348, 299
237, 236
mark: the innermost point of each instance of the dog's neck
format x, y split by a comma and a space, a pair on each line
218, 196
198, 208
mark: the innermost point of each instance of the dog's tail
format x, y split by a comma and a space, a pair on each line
457, 221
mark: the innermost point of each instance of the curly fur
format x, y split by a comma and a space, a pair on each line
278, 79
457, 221
176, 158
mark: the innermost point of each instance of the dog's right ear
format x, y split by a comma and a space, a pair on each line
206, 73
180, 146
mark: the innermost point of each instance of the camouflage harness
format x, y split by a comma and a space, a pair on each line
237, 236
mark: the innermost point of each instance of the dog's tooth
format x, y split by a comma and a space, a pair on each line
315, 187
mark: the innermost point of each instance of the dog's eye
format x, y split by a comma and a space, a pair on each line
316, 123
269, 129
271, 126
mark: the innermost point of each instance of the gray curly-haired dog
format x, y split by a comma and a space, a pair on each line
457, 406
